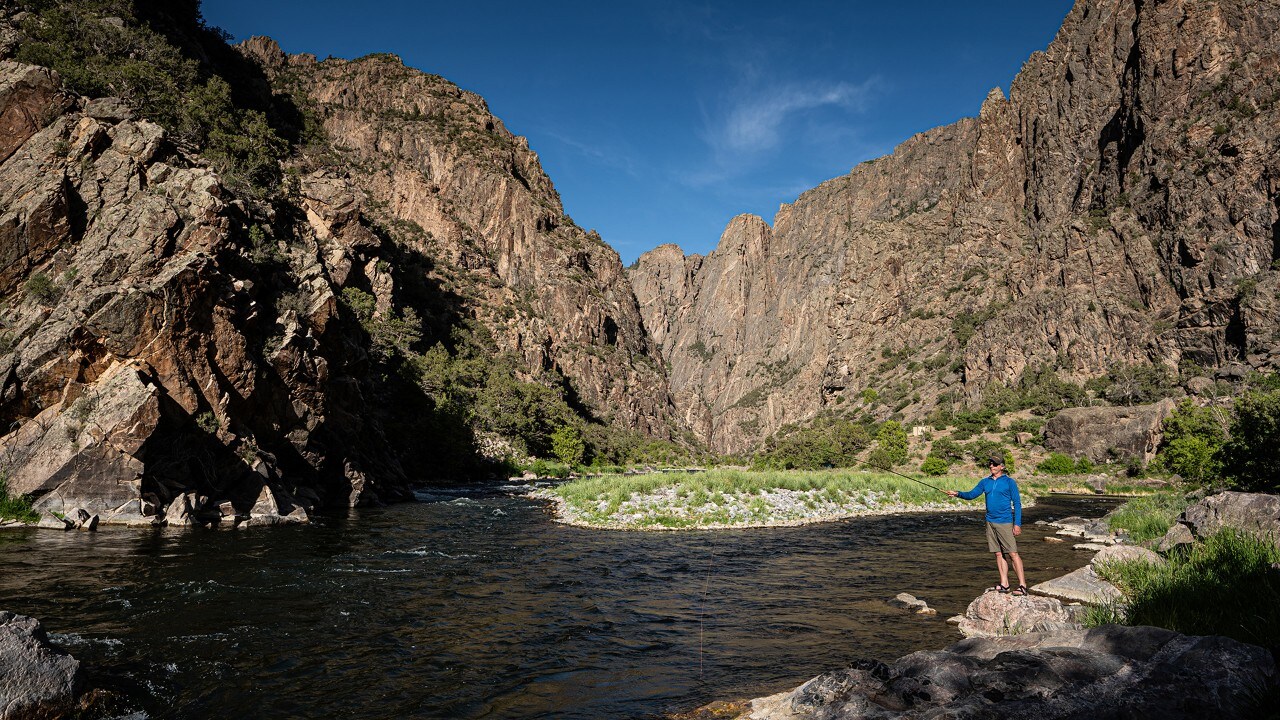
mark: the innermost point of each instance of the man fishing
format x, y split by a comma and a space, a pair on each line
1004, 521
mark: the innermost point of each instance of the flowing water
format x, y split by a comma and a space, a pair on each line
474, 604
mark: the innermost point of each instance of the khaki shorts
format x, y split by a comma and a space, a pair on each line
1000, 538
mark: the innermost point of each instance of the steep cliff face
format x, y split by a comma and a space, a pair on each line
179, 347
1121, 206
454, 184
142, 366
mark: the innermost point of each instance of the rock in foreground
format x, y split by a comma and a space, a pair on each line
37, 680
995, 614
1108, 672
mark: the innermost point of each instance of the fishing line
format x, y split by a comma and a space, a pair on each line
706, 586
908, 477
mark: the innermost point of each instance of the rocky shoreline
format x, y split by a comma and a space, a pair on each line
1032, 656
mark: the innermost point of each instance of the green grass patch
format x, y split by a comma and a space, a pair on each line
1150, 517
1223, 586
15, 507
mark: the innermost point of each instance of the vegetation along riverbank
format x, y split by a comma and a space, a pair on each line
732, 498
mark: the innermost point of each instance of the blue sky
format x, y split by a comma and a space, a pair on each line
659, 121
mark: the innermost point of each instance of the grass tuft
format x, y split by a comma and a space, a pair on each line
1226, 585
1150, 517
15, 507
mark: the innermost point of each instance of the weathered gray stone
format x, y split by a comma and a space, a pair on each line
1252, 512
906, 601
178, 513
111, 109
1098, 432
37, 680
1106, 672
1178, 534
993, 614
1125, 553
1082, 585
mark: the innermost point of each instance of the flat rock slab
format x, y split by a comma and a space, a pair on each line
1081, 585
907, 601
995, 614
36, 679
1107, 672
1125, 553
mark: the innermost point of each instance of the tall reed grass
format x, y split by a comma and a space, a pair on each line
1227, 585
1150, 517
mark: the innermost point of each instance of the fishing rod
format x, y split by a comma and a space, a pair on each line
908, 477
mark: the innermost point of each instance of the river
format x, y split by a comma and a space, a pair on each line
474, 604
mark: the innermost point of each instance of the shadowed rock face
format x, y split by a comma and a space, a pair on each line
432, 156
133, 310
1107, 672
1120, 206
161, 363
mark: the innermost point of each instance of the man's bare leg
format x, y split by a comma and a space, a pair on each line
1003, 566
1017, 567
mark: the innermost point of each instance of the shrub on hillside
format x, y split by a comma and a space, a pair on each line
934, 465
980, 450
892, 439
109, 47
1057, 464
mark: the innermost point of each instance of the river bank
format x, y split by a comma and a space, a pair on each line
725, 499
1119, 648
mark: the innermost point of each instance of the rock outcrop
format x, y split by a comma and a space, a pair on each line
1107, 672
1255, 513
1120, 206
454, 184
1085, 585
1108, 433
37, 680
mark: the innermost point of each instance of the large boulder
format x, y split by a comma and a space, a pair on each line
1107, 672
996, 614
1251, 512
1099, 433
37, 680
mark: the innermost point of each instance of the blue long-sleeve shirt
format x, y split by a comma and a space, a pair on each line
1003, 502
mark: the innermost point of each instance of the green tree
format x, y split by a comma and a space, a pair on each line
1192, 442
892, 440
567, 445
1251, 458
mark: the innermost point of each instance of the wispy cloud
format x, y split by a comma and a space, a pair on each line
753, 123
609, 157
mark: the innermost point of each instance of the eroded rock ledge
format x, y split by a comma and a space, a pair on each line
1107, 672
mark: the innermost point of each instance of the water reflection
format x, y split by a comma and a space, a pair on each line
477, 606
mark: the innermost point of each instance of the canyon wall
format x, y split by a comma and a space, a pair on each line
1121, 206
